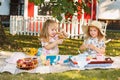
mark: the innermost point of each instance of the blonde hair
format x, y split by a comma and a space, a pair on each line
100, 36
44, 32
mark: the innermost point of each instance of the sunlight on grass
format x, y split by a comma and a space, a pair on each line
27, 42
74, 75
113, 48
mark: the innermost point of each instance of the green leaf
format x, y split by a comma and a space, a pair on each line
59, 17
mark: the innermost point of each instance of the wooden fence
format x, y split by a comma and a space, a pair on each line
32, 26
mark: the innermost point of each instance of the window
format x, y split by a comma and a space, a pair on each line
0, 3
21, 7
113, 0
17, 7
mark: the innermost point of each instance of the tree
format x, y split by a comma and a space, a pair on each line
2, 34
4, 40
66, 7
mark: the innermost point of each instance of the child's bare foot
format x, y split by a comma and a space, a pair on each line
74, 62
47, 62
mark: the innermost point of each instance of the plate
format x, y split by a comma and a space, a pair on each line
27, 63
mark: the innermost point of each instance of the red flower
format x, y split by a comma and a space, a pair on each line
78, 8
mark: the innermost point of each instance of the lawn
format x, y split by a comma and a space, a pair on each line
111, 74
70, 46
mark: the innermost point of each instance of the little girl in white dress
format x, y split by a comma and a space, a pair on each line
94, 44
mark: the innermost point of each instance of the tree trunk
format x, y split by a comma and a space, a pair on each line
5, 42
3, 37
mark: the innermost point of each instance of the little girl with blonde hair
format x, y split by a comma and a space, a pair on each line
50, 39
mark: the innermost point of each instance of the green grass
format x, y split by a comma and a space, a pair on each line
69, 46
97, 74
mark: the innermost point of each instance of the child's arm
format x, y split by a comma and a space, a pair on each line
83, 47
64, 33
53, 44
99, 50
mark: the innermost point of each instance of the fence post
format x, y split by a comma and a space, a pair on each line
11, 24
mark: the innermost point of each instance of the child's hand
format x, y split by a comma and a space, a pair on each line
83, 47
62, 30
61, 35
90, 46
64, 33
47, 63
59, 41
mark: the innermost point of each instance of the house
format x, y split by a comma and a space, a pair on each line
25, 8
109, 11
10, 7
106, 10
4, 11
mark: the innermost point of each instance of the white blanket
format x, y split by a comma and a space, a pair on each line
6, 66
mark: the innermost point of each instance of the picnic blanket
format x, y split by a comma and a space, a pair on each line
6, 66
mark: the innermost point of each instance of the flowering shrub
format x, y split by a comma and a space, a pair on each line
67, 7
31, 51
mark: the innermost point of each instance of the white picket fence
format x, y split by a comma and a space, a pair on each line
32, 26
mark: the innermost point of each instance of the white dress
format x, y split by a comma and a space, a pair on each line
53, 51
96, 43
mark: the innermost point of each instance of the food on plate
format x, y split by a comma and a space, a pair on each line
27, 63
61, 35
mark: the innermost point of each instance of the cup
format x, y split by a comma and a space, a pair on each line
100, 57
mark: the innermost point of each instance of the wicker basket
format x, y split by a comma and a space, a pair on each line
27, 63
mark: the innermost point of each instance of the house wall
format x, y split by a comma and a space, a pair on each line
5, 7
109, 9
30, 10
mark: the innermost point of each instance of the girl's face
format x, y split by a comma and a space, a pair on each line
52, 30
93, 32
